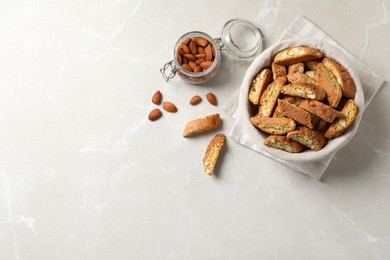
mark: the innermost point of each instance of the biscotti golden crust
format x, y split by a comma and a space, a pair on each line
269, 98
310, 138
341, 124
296, 68
329, 84
321, 110
213, 151
297, 54
297, 114
343, 77
201, 125
273, 125
279, 71
304, 90
259, 83
298, 77
283, 143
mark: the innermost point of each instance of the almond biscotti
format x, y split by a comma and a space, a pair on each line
201, 125
304, 90
270, 97
297, 54
279, 71
298, 77
329, 84
259, 83
213, 152
321, 110
273, 125
297, 114
343, 77
283, 143
341, 124
308, 137
296, 68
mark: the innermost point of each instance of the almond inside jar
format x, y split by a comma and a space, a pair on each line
195, 54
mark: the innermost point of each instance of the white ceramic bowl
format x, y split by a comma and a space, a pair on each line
264, 60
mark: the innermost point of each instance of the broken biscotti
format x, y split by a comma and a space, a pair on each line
201, 125
309, 100
213, 151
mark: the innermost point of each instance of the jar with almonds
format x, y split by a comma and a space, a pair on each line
197, 56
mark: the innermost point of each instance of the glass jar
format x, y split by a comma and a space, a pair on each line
241, 39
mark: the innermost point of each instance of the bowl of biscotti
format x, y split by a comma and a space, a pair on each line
301, 100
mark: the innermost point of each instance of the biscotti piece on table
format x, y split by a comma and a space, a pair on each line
279, 71
321, 110
304, 90
342, 76
297, 114
284, 143
273, 125
201, 125
269, 98
329, 84
213, 151
297, 54
296, 68
341, 124
259, 83
308, 137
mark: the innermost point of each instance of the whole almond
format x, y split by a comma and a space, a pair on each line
201, 50
211, 98
180, 50
185, 48
157, 97
190, 57
209, 52
186, 67
193, 48
200, 56
202, 42
185, 60
155, 114
186, 41
195, 100
179, 59
192, 65
169, 107
198, 68
198, 62
206, 64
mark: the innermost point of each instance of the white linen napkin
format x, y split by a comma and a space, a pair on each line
371, 83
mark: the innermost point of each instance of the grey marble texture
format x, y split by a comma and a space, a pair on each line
85, 175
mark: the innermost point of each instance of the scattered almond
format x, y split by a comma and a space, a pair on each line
212, 99
157, 97
155, 114
195, 100
169, 107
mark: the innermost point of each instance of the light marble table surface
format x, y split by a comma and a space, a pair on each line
85, 175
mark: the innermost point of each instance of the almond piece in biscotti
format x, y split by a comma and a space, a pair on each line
202, 125
297, 54
273, 125
213, 152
